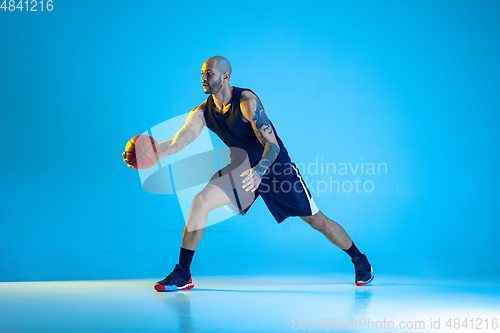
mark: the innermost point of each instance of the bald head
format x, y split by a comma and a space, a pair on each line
215, 74
221, 63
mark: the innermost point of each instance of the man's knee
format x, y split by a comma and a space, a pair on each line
201, 203
315, 221
210, 198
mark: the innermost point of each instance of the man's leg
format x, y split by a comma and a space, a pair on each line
331, 229
337, 235
207, 200
204, 202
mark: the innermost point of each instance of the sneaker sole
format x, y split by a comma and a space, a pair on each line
362, 283
163, 288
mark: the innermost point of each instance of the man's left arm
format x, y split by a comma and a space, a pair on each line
253, 111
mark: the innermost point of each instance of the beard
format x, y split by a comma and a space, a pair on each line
215, 87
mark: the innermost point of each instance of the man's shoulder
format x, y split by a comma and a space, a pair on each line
247, 95
204, 104
200, 107
199, 111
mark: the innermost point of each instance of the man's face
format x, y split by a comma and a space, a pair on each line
211, 78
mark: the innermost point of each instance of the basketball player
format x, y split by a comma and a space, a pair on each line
260, 166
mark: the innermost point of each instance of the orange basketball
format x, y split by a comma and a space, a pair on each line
141, 151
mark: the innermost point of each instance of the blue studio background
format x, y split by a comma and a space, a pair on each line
413, 85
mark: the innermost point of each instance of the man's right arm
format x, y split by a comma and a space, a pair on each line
190, 131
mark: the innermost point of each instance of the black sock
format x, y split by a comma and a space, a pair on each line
353, 251
185, 258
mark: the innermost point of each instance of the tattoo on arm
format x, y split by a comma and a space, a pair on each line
201, 115
263, 126
262, 123
172, 146
186, 135
270, 154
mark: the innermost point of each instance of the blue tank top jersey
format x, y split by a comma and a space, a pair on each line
235, 132
290, 198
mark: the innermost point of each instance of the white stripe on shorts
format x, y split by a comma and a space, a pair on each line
312, 204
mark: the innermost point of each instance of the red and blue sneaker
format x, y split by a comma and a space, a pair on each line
179, 279
363, 269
